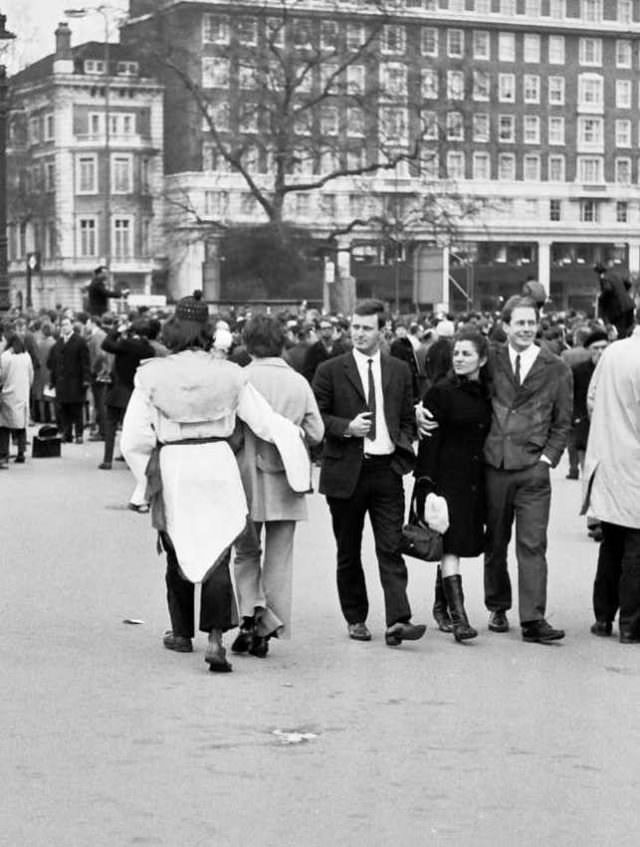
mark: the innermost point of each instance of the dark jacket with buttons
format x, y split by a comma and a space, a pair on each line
531, 419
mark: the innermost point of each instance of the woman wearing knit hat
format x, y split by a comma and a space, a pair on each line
178, 432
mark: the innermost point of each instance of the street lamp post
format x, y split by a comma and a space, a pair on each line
4, 107
84, 12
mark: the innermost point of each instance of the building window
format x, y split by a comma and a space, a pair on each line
556, 49
429, 78
215, 29
506, 128
329, 120
393, 38
48, 127
591, 10
481, 86
247, 77
355, 122
122, 124
429, 122
393, 79
590, 92
275, 32
623, 93
532, 48
394, 124
531, 168
557, 9
507, 88
34, 130
556, 168
590, 169
215, 72
87, 174
556, 130
219, 116
531, 129
623, 53
481, 44
625, 11
590, 51
455, 85
622, 212
50, 176
623, 133
506, 46
429, 41
127, 68
329, 35
51, 243
303, 205
247, 31
481, 166
556, 91
589, 211
122, 238
455, 126
590, 132
508, 7
455, 43
555, 210
531, 86
455, 164
87, 241
121, 174
481, 127
356, 36
248, 118
483, 7
355, 79
93, 66
623, 171
506, 167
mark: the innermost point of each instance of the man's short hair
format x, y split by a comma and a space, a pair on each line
518, 301
372, 307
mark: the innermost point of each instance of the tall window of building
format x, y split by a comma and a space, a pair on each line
51, 242
302, 33
589, 211
356, 35
623, 133
555, 209
248, 118
329, 35
455, 126
507, 88
556, 130
121, 174
556, 168
394, 124
532, 8
429, 41
623, 53
590, 92
87, 174
247, 31
34, 129
87, 242
531, 86
393, 39
623, 170
557, 9
508, 7
329, 120
531, 168
50, 176
393, 79
481, 166
247, 76
455, 85
215, 29
556, 90
556, 49
623, 93
329, 73
625, 11
429, 122
590, 51
215, 72
355, 79
455, 164
481, 127
532, 48
531, 129
590, 132
483, 7
506, 167
481, 85
507, 128
506, 46
429, 79
455, 43
590, 169
48, 127
481, 44
457, 6
220, 117
622, 212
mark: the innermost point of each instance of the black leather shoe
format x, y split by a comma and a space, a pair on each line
498, 621
177, 643
602, 628
244, 638
104, 466
259, 646
359, 631
573, 475
19, 460
628, 636
540, 632
400, 632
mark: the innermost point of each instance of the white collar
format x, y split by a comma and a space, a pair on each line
364, 357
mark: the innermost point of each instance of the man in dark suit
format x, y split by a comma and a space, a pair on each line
365, 401
532, 399
68, 363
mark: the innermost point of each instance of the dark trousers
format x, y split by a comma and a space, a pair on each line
523, 496
217, 603
617, 582
379, 492
20, 436
99, 391
113, 418
572, 451
70, 419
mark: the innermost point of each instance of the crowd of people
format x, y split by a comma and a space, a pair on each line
222, 417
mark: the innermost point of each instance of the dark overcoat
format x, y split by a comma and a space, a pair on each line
452, 459
68, 363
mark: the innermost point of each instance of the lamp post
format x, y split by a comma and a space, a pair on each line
5, 35
84, 12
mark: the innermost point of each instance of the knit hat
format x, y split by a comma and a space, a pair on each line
193, 309
596, 335
534, 289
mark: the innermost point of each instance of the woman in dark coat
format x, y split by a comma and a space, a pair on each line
450, 464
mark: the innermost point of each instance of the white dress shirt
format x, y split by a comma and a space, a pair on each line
382, 445
527, 358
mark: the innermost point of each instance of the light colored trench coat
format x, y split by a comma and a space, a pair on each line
16, 376
612, 462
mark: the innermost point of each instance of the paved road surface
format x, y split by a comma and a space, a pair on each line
109, 741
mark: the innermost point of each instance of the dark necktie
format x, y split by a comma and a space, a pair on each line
517, 372
372, 402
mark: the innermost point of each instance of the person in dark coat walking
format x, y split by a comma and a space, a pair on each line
451, 465
68, 364
98, 294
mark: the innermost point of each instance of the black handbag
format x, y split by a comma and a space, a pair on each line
418, 539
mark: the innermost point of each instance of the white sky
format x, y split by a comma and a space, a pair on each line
35, 21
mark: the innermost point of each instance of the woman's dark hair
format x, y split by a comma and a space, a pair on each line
15, 343
264, 335
180, 335
478, 340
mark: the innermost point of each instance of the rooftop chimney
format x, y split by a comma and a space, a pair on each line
63, 41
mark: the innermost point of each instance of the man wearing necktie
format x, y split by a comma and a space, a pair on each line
365, 400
